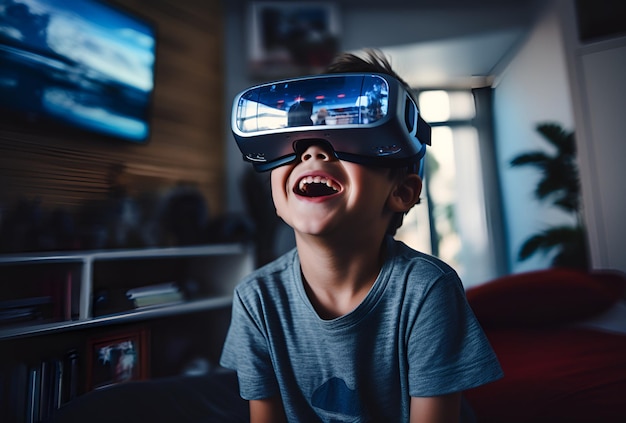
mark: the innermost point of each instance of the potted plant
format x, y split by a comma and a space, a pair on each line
560, 184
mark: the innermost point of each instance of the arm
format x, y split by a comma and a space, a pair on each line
441, 409
269, 410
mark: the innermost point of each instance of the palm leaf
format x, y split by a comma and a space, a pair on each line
538, 159
559, 172
541, 242
557, 136
570, 240
559, 182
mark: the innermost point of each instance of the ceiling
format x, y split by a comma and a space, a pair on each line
444, 43
432, 43
466, 62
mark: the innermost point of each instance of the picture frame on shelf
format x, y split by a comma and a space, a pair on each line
287, 39
117, 358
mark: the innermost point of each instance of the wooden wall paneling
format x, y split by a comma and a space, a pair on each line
186, 145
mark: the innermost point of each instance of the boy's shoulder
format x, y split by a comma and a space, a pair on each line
408, 256
277, 269
279, 264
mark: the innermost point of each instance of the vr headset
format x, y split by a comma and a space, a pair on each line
368, 119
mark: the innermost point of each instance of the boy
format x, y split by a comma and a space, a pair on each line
351, 325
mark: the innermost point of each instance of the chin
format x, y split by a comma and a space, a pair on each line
314, 227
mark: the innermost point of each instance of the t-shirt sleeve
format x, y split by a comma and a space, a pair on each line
448, 350
246, 351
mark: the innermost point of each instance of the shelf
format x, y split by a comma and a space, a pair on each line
60, 310
81, 256
206, 273
126, 317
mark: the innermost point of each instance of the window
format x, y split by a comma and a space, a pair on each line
451, 221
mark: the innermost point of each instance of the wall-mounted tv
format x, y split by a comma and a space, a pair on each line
83, 66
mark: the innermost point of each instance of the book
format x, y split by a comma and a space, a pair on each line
154, 295
17, 393
44, 390
50, 384
69, 383
33, 393
158, 299
151, 290
24, 309
57, 387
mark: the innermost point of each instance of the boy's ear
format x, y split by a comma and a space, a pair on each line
406, 193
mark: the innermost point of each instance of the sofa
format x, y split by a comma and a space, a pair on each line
560, 336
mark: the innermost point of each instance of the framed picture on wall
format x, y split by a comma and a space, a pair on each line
291, 38
117, 358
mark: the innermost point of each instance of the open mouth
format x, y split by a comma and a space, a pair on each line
317, 186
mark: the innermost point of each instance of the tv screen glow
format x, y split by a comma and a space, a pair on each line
80, 64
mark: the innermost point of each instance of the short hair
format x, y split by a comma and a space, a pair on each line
374, 61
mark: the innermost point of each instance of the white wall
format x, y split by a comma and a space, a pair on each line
598, 87
604, 170
552, 71
532, 89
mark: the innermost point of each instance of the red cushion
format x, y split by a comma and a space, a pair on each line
545, 297
554, 375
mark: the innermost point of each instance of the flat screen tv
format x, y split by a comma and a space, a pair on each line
83, 66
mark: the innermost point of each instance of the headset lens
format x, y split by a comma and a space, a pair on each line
331, 100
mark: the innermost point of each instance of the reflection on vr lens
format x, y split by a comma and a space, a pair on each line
334, 100
300, 114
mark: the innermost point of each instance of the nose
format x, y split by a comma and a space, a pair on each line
316, 151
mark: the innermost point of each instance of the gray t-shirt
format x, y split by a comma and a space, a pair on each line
413, 335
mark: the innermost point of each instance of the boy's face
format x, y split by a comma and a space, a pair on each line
321, 195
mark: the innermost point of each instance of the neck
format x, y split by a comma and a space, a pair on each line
338, 275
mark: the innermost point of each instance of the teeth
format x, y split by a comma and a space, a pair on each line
302, 186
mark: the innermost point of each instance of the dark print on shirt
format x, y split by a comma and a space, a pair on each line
335, 402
